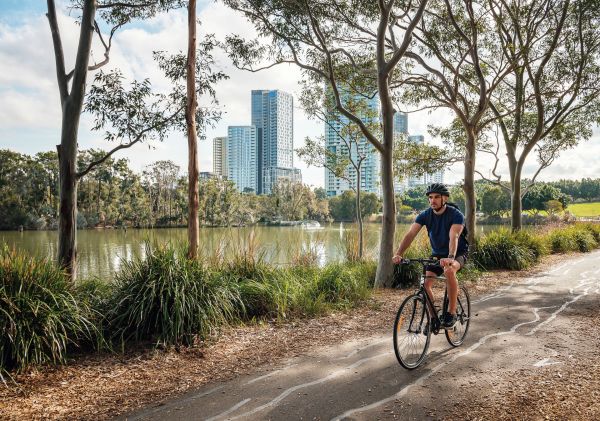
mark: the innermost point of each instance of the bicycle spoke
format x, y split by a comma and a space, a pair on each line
410, 340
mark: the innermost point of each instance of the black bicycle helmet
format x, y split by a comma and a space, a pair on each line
438, 188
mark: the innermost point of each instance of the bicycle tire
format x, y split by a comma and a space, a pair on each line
457, 334
411, 332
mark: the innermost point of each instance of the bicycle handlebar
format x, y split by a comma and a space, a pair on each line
421, 261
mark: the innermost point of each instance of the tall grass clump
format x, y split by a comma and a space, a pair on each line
537, 243
501, 249
341, 284
170, 299
594, 229
574, 238
40, 318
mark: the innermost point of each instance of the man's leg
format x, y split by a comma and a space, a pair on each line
428, 287
452, 285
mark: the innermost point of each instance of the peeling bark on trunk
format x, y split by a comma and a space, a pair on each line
359, 217
193, 200
72, 105
469, 187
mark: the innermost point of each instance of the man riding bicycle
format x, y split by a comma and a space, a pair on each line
444, 225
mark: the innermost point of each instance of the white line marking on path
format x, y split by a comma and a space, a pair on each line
290, 390
545, 362
553, 316
424, 377
230, 410
270, 374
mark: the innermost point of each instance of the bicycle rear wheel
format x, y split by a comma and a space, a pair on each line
457, 334
411, 332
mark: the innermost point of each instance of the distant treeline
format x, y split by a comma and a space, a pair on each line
114, 195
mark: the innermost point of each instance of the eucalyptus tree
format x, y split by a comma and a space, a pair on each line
349, 149
72, 88
344, 45
552, 98
192, 135
452, 46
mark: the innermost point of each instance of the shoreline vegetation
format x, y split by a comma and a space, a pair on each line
165, 300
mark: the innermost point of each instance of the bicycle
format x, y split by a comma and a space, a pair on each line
417, 318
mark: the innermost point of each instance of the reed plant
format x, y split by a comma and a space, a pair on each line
169, 299
594, 229
40, 317
502, 249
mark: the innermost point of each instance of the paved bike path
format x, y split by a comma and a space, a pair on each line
521, 326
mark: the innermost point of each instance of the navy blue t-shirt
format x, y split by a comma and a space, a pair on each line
439, 231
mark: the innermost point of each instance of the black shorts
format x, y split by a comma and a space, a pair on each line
438, 270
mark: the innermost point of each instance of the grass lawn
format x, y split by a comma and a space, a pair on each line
585, 209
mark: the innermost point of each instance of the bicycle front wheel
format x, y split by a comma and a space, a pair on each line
456, 335
411, 332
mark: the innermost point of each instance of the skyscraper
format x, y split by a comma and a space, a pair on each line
371, 166
241, 151
428, 178
220, 156
400, 123
273, 117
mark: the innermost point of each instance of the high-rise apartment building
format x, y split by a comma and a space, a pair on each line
428, 178
273, 117
400, 123
220, 156
371, 165
241, 151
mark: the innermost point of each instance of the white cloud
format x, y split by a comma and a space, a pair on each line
31, 104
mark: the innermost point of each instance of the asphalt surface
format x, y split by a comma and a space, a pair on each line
522, 326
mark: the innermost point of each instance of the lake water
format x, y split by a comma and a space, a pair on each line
100, 252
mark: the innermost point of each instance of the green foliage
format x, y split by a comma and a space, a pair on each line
169, 299
495, 201
343, 207
502, 249
539, 194
40, 318
575, 238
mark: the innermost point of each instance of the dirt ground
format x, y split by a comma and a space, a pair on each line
102, 386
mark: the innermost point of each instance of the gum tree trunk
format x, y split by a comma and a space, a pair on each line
469, 186
193, 200
71, 106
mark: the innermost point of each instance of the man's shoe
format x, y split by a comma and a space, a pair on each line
449, 321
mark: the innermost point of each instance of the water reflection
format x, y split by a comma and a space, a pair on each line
100, 252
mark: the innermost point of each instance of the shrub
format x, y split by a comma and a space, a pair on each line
585, 240
562, 240
341, 284
535, 242
502, 249
594, 229
169, 299
39, 316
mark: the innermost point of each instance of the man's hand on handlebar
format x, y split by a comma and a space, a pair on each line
397, 259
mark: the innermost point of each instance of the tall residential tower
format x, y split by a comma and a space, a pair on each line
241, 152
220, 156
273, 117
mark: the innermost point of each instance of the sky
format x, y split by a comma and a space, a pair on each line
30, 107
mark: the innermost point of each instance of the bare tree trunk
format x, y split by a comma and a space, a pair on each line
71, 105
384, 276
67, 211
516, 202
469, 186
359, 216
193, 200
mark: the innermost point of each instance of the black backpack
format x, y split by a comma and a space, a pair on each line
464, 232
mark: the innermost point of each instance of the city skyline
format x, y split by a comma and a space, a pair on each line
30, 112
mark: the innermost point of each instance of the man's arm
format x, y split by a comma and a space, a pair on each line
408, 238
455, 231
